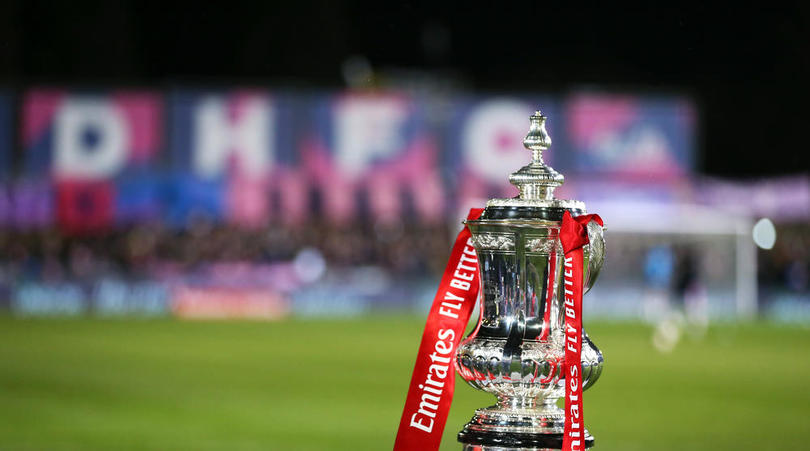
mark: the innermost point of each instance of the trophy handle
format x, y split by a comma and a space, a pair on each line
596, 254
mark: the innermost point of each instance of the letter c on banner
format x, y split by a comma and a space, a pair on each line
486, 139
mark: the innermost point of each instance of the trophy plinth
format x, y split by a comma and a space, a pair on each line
517, 350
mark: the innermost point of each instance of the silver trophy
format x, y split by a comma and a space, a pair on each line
516, 352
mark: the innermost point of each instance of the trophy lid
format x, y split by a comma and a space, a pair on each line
536, 182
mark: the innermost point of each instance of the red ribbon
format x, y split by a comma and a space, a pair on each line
434, 378
573, 236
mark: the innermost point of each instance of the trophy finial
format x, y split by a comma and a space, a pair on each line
537, 180
537, 140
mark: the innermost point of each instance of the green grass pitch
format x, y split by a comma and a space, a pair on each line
339, 385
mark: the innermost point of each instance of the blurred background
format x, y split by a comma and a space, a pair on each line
309, 163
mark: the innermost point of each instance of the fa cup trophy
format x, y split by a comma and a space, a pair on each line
518, 350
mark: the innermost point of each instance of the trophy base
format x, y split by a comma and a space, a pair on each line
508, 441
499, 428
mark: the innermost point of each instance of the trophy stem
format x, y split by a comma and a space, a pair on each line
516, 402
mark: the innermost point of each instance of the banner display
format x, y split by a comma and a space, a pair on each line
252, 157
626, 135
6, 160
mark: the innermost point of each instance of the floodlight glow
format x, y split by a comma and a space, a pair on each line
764, 234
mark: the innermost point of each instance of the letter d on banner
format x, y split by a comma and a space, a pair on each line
91, 139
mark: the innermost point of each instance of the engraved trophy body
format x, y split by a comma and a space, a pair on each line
516, 351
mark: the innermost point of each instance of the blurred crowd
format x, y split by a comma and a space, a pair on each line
401, 250
147, 250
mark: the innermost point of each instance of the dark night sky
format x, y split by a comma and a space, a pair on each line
748, 68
